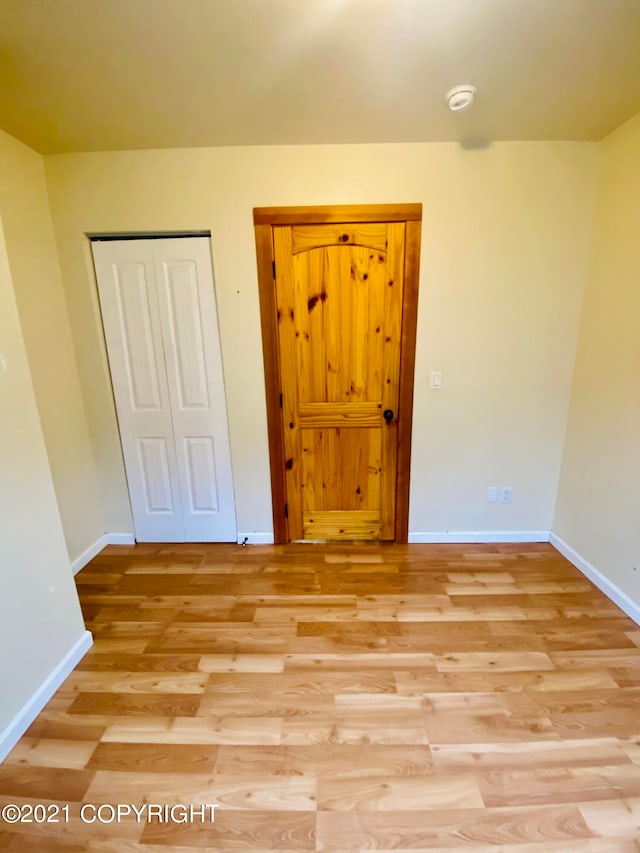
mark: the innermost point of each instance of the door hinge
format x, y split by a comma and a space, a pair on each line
273, 267
286, 510
281, 399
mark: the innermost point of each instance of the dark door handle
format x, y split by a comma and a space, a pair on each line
387, 415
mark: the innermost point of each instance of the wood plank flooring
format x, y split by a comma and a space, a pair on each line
341, 698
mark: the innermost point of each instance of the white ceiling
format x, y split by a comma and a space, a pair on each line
85, 75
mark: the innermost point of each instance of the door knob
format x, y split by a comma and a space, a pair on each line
388, 415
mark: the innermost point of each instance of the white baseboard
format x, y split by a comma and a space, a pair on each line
255, 538
30, 710
613, 592
468, 537
88, 555
94, 549
119, 539
435, 537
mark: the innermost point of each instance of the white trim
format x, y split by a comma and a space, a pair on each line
613, 592
94, 549
119, 539
32, 707
88, 555
255, 538
468, 537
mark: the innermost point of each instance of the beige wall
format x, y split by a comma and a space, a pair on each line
598, 511
24, 208
505, 242
40, 619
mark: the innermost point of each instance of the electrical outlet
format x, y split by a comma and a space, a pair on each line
492, 494
506, 495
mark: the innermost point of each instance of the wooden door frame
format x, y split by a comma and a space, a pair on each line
264, 219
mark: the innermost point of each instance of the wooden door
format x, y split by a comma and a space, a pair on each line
344, 300
159, 316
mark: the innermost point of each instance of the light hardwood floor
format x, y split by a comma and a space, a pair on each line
468, 697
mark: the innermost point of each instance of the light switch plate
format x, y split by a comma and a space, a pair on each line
506, 494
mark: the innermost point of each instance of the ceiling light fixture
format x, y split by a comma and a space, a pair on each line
460, 98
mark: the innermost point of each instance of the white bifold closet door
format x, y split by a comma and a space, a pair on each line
161, 329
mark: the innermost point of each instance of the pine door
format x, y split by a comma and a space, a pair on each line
341, 305
159, 316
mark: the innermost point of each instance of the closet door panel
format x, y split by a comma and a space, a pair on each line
186, 298
133, 335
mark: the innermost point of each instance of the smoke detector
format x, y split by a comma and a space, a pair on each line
460, 98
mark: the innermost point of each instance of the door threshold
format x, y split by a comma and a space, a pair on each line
361, 542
